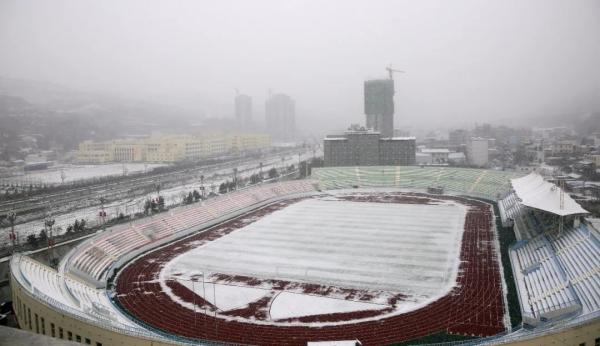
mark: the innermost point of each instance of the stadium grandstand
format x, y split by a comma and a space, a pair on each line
556, 260
109, 289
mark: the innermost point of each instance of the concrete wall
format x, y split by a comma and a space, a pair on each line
26, 305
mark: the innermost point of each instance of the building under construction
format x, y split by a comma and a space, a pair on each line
379, 106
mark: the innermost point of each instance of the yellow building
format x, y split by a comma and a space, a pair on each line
127, 151
170, 148
165, 149
94, 152
249, 141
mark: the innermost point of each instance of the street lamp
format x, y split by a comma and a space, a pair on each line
12, 217
194, 294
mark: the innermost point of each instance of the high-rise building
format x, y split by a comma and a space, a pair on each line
243, 111
280, 118
477, 151
379, 106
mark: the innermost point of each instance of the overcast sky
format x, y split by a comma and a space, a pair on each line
465, 61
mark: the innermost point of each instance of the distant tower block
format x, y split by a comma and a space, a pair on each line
379, 106
243, 110
280, 116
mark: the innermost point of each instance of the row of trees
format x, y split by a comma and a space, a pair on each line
154, 205
193, 196
42, 236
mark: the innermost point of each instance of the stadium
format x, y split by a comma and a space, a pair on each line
376, 255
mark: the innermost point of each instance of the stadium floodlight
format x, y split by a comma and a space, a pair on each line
179, 278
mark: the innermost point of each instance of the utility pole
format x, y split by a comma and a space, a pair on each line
12, 218
102, 213
235, 182
48, 223
561, 222
306, 166
157, 187
202, 185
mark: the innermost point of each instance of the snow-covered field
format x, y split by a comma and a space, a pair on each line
71, 173
411, 249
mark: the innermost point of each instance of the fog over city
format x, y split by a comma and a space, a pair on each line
466, 62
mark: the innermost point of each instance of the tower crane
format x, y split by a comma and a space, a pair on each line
392, 70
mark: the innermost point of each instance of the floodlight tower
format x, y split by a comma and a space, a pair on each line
561, 221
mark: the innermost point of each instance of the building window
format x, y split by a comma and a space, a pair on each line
69, 336
60, 332
29, 318
52, 331
77, 338
37, 324
597, 342
88, 341
43, 326
98, 344
582, 344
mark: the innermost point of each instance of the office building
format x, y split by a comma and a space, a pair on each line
368, 148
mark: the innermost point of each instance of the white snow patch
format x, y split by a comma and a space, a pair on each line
225, 297
290, 305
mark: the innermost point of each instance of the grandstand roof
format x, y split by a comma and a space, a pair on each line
535, 192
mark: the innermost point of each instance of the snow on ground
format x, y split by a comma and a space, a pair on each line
172, 196
411, 249
289, 305
53, 175
399, 247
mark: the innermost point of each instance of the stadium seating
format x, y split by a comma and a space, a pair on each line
70, 293
558, 273
545, 291
485, 183
578, 251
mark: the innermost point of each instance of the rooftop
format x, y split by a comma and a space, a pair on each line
535, 192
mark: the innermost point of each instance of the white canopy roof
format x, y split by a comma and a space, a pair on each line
535, 192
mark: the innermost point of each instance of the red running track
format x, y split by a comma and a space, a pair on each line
473, 307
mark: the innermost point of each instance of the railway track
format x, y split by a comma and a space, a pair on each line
30, 208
